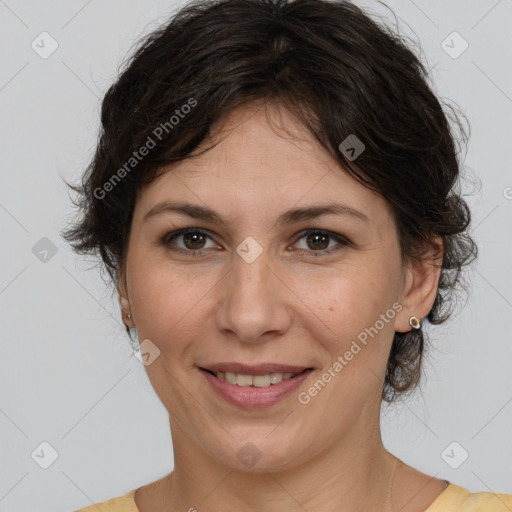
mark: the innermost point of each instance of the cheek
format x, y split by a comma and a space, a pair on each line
354, 322
348, 300
172, 303
161, 296
336, 303
353, 319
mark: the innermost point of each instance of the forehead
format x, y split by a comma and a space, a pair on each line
263, 159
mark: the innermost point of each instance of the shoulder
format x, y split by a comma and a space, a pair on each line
458, 499
124, 503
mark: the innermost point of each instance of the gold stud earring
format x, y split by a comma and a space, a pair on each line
415, 322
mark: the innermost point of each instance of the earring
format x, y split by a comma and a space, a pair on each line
415, 322
129, 316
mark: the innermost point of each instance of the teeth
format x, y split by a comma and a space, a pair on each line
258, 381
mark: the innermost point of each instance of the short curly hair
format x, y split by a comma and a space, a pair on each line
340, 72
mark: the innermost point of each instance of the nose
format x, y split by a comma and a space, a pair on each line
255, 301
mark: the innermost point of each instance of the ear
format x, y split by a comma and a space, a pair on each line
122, 290
421, 284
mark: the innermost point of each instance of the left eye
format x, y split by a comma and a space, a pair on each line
194, 239
320, 240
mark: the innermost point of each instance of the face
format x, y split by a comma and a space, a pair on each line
256, 288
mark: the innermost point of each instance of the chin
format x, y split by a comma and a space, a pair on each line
255, 454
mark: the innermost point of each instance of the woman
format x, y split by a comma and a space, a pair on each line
274, 198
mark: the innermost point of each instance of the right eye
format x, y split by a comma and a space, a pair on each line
193, 240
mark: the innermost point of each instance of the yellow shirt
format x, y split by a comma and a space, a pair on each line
452, 499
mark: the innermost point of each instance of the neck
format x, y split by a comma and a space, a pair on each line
352, 475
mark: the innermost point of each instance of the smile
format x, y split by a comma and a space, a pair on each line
258, 381
254, 391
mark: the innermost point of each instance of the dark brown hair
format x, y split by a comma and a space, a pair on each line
340, 72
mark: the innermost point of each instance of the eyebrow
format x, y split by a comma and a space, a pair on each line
291, 216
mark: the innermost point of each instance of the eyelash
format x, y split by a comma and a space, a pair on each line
168, 238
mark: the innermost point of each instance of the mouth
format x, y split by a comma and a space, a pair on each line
257, 381
254, 387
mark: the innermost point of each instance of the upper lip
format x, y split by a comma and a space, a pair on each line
257, 369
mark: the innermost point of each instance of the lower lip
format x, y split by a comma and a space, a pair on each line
253, 397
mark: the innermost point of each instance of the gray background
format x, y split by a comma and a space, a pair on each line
68, 374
